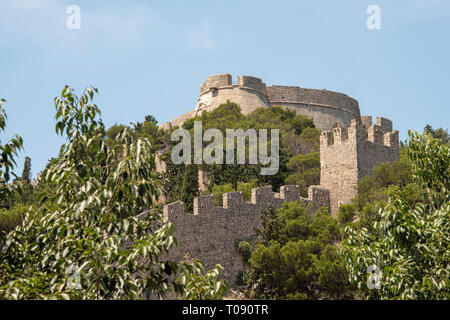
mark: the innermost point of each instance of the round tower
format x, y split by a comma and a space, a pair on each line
326, 108
248, 92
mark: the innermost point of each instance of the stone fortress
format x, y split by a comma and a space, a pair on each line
326, 108
350, 147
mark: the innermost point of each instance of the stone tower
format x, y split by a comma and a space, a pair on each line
347, 155
326, 108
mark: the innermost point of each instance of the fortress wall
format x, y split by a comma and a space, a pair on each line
367, 121
324, 117
286, 94
385, 124
211, 233
326, 108
178, 121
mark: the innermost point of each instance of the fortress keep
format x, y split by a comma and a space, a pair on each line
326, 108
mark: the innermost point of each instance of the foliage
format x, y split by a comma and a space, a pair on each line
410, 243
196, 286
93, 222
244, 248
26, 173
189, 187
219, 190
439, 134
8, 153
305, 171
346, 213
10, 218
294, 130
245, 187
373, 189
297, 258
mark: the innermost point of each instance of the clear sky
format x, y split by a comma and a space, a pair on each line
149, 57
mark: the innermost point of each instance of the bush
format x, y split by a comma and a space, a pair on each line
13, 217
297, 258
346, 213
244, 248
409, 241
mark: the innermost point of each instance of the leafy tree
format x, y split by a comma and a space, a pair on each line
297, 258
374, 188
95, 220
10, 218
396, 173
272, 226
439, 134
244, 248
150, 118
219, 190
115, 130
8, 153
409, 243
197, 286
346, 213
189, 187
294, 130
305, 171
245, 187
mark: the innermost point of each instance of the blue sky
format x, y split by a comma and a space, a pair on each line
149, 57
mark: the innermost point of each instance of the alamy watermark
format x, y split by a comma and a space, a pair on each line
213, 152
73, 281
374, 20
374, 280
73, 21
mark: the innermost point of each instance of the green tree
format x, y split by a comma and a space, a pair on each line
409, 243
26, 173
189, 187
439, 134
305, 171
8, 153
297, 258
95, 221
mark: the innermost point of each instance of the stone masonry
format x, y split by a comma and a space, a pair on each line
347, 155
350, 147
326, 108
211, 233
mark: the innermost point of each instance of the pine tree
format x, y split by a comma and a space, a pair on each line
26, 173
189, 188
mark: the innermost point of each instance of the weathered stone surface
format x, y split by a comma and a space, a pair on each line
211, 233
350, 147
326, 108
346, 155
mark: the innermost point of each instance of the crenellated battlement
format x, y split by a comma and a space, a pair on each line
225, 81
210, 234
348, 154
234, 203
363, 131
325, 107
